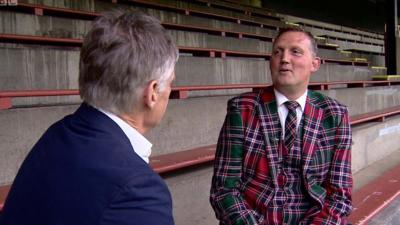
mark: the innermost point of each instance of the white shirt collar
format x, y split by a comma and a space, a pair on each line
283, 111
280, 99
139, 143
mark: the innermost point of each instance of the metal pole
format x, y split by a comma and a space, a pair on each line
390, 36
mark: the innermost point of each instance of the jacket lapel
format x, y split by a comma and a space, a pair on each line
312, 124
271, 129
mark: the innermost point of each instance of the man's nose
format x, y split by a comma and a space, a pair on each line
285, 57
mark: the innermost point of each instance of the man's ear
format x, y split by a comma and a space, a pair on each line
150, 94
316, 64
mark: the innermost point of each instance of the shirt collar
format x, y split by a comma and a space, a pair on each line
139, 143
280, 99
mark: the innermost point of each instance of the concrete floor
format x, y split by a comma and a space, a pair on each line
376, 169
390, 215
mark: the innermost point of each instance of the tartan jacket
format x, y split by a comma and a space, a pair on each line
251, 130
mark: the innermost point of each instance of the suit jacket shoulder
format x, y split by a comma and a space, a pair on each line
331, 107
83, 170
250, 103
326, 103
252, 99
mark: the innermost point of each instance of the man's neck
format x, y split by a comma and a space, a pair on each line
292, 95
134, 121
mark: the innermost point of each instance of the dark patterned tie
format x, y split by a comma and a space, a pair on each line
290, 123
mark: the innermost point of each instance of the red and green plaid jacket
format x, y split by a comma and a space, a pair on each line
250, 131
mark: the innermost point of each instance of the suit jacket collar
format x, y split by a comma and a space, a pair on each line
88, 116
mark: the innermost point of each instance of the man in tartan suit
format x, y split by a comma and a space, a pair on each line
280, 165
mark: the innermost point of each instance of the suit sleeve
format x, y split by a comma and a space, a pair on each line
337, 205
226, 199
145, 200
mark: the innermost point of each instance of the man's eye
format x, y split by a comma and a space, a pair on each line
276, 52
297, 52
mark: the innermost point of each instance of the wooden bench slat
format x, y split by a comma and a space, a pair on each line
3, 194
30, 39
178, 160
370, 116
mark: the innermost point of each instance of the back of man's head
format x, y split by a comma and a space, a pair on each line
120, 54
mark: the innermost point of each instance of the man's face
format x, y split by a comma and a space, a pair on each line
292, 62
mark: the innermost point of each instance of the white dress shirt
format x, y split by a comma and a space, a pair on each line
139, 143
283, 111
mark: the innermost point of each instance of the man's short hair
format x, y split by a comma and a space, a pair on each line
314, 46
120, 55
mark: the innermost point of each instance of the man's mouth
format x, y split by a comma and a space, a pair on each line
284, 70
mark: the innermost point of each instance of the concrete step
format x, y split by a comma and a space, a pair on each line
346, 45
75, 28
191, 7
341, 35
386, 77
362, 100
188, 123
194, 185
46, 67
334, 27
376, 60
76, 25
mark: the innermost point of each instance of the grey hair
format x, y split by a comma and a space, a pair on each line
120, 55
314, 45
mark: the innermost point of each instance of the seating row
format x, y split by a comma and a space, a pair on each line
88, 15
242, 8
169, 163
182, 92
332, 27
195, 51
185, 34
274, 16
354, 40
366, 202
71, 13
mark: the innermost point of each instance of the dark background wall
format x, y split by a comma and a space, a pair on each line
362, 14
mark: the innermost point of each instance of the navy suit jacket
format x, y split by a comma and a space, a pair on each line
83, 170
